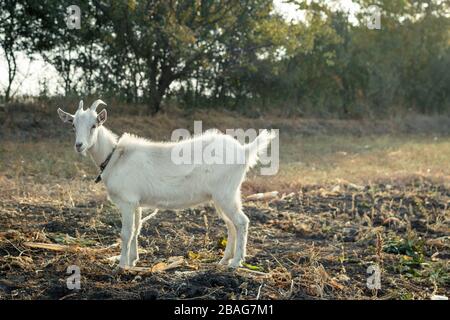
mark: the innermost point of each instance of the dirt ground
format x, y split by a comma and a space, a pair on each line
310, 245
311, 242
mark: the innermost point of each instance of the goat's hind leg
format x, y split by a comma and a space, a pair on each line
231, 207
231, 238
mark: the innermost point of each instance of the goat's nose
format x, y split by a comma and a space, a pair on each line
78, 145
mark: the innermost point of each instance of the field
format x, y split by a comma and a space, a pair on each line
352, 194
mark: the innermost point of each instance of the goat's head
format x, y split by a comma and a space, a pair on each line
85, 124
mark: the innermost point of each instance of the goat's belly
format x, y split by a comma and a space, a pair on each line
163, 193
179, 201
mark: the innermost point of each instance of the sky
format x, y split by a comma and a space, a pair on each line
31, 73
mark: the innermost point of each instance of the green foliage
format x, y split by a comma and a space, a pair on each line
410, 247
242, 54
252, 267
411, 250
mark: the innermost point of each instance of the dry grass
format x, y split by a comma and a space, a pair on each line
331, 160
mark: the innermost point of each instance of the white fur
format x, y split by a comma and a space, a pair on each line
142, 174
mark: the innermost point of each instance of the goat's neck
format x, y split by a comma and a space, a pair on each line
106, 141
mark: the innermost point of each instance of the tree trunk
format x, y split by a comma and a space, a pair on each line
12, 68
154, 105
158, 88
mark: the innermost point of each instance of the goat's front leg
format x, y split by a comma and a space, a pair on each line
134, 250
128, 230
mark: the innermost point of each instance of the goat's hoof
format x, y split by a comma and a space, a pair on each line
133, 263
120, 268
223, 262
234, 264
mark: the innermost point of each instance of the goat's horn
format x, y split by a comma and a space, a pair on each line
80, 106
96, 103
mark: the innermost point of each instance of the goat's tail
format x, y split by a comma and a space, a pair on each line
254, 149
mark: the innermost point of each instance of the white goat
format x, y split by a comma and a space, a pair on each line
139, 173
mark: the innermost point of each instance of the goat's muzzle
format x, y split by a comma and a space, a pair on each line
79, 147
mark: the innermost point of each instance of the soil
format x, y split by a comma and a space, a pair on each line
312, 244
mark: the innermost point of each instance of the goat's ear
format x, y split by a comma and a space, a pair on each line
65, 117
101, 117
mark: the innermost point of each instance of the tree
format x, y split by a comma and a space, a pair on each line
14, 33
175, 39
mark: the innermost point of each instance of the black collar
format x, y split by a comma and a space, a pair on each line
103, 166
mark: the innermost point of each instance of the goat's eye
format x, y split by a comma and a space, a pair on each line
94, 126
